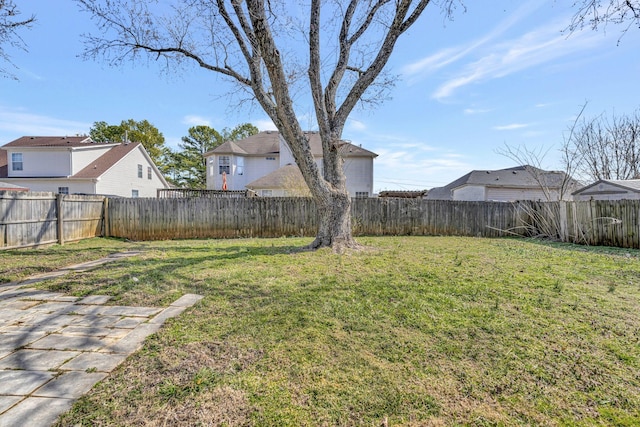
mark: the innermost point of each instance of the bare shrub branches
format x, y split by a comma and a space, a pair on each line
606, 147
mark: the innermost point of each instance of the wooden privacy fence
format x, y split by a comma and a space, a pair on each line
152, 219
39, 218
595, 223
31, 219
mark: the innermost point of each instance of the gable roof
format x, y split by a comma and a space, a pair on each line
230, 147
268, 142
632, 185
52, 141
115, 152
106, 161
516, 177
288, 176
261, 143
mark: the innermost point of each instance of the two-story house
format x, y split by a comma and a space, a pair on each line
264, 163
78, 165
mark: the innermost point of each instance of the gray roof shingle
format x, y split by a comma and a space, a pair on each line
268, 142
51, 141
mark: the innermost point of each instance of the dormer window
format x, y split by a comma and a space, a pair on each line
16, 161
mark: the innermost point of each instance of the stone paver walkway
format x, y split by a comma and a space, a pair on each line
54, 348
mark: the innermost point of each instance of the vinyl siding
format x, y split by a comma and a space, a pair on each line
38, 163
254, 168
513, 194
82, 157
471, 193
605, 191
52, 185
359, 175
123, 177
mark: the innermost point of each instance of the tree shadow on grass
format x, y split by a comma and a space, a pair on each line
159, 280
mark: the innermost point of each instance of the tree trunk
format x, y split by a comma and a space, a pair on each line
334, 222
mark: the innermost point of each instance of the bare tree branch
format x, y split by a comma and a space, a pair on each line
596, 14
10, 26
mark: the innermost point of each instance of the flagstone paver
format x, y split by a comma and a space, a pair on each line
91, 361
36, 360
55, 347
70, 385
7, 402
35, 411
16, 383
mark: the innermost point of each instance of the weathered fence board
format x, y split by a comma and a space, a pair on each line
592, 223
39, 218
153, 219
29, 219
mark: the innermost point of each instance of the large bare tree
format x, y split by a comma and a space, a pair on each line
268, 48
605, 147
10, 25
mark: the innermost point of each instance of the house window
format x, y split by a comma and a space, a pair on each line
240, 165
16, 161
266, 193
134, 193
63, 190
211, 166
362, 194
224, 164
148, 172
139, 171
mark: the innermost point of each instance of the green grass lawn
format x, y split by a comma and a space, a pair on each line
409, 331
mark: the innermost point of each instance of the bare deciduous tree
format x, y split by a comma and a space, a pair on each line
10, 24
605, 147
598, 13
343, 47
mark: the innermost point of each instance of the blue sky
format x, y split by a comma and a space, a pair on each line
501, 73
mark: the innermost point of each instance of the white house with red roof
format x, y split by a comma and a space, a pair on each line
79, 165
264, 163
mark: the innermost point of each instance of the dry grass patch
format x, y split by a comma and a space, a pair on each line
181, 385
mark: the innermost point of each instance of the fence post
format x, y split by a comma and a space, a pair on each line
59, 199
564, 235
105, 217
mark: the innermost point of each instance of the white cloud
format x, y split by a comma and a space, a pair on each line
512, 126
193, 120
535, 48
20, 122
450, 55
476, 111
435, 61
264, 124
356, 125
407, 169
